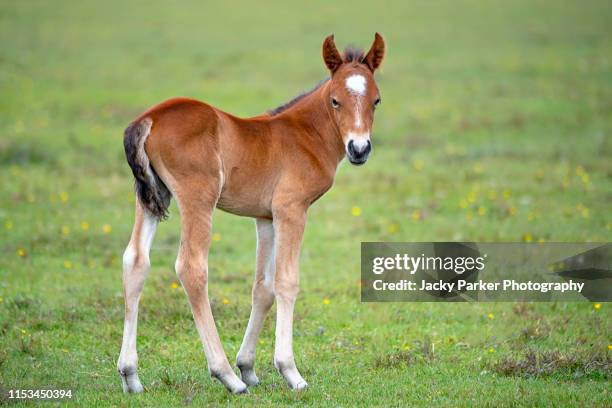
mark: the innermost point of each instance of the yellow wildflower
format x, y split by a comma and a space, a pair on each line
491, 316
174, 285
527, 237
65, 230
482, 210
106, 228
68, 264
416, 215
216, 236
8, 224
325, 301
418, 164
85, 226
21, 252
64, 197
226, 301
392, 228
356, 211
585, 179
471, 197
597, 306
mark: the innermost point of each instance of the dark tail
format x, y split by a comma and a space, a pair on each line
151, 191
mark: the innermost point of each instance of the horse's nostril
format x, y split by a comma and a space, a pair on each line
368, 148
351, 148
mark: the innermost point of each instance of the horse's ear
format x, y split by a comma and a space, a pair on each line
331, 56
374, 57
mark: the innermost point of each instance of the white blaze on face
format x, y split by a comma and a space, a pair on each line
356, 84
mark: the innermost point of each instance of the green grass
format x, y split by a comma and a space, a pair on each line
495, 126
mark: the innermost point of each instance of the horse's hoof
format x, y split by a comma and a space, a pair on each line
301, 385
131, 383
248, 376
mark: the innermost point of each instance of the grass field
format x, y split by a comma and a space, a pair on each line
495, 125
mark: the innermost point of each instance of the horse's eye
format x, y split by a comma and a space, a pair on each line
335, 104
377, 102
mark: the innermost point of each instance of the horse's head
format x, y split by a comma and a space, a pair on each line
353, 94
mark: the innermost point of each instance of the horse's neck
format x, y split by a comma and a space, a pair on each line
313, 115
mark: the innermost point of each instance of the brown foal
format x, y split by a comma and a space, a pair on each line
271, 167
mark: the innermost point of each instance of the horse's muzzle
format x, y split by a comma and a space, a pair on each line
358, 154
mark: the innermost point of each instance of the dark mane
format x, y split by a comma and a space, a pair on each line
353, 54
285, 106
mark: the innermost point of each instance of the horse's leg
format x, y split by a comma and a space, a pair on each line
192, 269
289, 222
135, 269
263, 298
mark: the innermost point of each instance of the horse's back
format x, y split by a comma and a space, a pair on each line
182, 116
